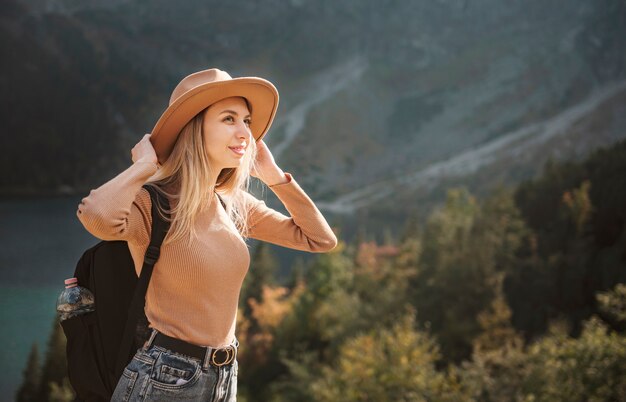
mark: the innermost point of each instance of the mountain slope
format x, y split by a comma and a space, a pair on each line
410, 93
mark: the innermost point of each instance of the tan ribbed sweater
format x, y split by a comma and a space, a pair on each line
194, 291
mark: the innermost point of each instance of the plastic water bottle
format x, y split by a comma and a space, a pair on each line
74, 300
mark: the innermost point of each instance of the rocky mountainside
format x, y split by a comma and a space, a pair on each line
381, 101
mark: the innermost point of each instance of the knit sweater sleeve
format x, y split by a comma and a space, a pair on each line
306, 229
120, 208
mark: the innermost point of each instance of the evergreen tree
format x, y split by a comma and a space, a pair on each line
410, 248
579, 206
262, 269
612, 305
452, 284
465, 248
352, 249
32, 376
328, 278
61, 393
411, 227
577, 215
55, 365
388, 237
297, 273
495, 322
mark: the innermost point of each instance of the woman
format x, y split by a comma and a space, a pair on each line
205, 146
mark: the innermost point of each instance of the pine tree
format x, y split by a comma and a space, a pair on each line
453, 265
411, 227
579, 208
55, 365
32, 375
388, 237
261, 273
495, 322
298, 270
61, 393
612, 306
352, 250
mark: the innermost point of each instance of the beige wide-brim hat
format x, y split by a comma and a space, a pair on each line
199, 90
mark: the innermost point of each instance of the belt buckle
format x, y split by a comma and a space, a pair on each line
230, 356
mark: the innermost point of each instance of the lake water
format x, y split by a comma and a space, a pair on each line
41, 241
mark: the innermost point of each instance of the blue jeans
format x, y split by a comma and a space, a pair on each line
157, 374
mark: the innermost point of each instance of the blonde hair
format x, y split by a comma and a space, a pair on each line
184, 179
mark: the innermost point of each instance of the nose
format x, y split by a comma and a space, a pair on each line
243, 131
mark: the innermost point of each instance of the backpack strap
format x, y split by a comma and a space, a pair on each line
221, 200
159, 231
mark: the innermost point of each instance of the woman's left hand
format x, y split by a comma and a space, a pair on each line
266, 168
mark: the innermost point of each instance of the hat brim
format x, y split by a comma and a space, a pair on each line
260, 93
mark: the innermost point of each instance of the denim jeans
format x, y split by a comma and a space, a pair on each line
157, 374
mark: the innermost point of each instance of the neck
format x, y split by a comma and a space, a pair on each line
214, 175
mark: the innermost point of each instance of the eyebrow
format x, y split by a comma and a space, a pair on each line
231, 111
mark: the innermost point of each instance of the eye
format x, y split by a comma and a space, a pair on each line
228, 118
248, 122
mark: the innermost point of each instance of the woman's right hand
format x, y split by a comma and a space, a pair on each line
144, 151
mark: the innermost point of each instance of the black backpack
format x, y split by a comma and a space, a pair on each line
100, 344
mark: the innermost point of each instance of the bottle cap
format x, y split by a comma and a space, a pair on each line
71, 281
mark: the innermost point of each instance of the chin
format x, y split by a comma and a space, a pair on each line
233, 166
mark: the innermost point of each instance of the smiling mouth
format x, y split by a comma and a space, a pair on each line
238, 150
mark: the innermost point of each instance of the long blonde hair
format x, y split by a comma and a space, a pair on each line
184, 179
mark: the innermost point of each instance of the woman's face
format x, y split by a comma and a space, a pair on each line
226, 131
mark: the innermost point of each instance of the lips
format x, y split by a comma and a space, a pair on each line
238, 150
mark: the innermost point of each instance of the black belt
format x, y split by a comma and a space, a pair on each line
217, 357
